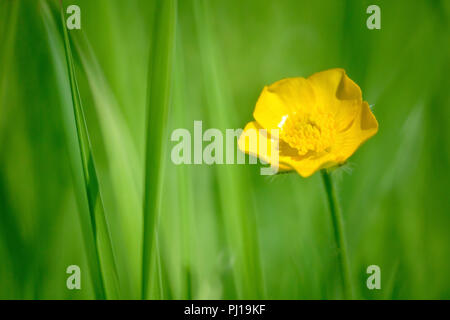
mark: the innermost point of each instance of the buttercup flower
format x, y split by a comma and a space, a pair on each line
321, 122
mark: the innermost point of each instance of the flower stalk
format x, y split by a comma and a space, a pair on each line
339, 235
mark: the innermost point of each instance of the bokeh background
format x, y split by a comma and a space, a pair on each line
224, 231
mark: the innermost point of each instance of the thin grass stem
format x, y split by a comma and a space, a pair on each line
339, 234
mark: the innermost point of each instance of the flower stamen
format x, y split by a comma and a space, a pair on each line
313, 132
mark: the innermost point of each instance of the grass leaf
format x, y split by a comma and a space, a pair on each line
158, 98
108, 286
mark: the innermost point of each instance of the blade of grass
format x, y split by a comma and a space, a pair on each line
238, 216
158, 96
183, 173
109, 285
8, 26
124, 184
56, 45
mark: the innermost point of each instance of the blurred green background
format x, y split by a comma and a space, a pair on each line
224, 231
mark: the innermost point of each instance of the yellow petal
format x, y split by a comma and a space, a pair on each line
333, 86
346, 113
305, 165
281, 99
337, 93
363, 127
252, 140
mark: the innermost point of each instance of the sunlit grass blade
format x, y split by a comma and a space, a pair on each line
121, 192
231, 185
57, 51
109, 285
183, 173
158, 97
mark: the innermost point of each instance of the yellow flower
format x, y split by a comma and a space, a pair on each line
321, 122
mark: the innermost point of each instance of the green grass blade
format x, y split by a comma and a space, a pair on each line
121, 193
237, 214
56, 45
159, 84
99, 224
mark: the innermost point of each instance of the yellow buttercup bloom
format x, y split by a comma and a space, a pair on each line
321, 122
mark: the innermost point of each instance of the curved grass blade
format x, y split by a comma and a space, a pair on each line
184, 174
237, 214
99, 224
126, 192
68, 118
158, 96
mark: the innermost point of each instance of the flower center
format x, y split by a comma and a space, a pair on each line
309, 132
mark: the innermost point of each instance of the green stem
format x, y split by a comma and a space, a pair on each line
339, 235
